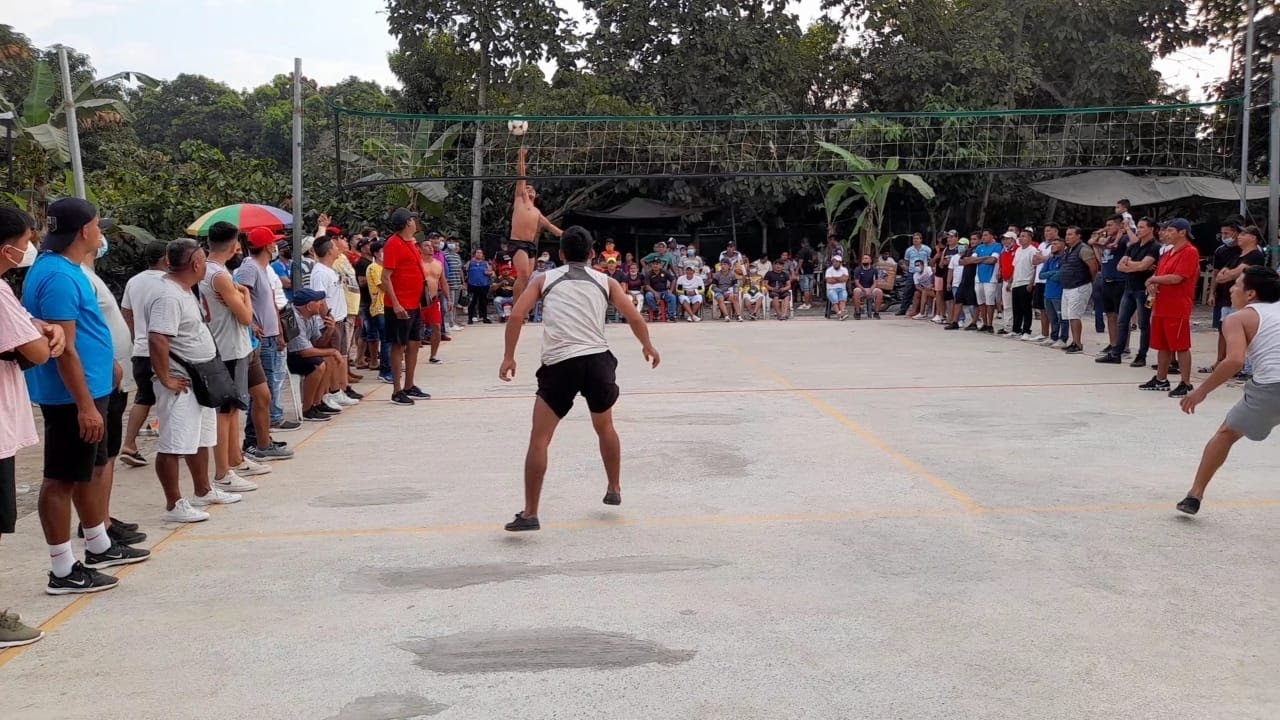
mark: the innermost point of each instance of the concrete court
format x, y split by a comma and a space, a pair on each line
820, 520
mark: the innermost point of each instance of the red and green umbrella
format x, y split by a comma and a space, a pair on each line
245, 216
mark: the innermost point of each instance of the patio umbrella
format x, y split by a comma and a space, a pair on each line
244, 216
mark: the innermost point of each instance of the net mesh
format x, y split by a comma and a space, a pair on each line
380, 148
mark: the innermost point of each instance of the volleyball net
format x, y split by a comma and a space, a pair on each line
376, 148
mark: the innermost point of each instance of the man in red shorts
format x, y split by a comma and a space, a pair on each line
432, 312
1173, 294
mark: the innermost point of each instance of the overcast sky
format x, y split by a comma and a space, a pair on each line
244, 43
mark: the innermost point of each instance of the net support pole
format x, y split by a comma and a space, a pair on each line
1244, 121
73, 125
1273, 197
296, 270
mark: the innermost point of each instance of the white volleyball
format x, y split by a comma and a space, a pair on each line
517, 127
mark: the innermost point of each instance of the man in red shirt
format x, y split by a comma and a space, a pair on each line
403, 279
1172, 291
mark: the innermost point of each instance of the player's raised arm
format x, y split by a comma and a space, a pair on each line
521, 155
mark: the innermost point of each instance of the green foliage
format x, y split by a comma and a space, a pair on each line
872, 190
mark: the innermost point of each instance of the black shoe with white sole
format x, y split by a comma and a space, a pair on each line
1155, 384
416, 394
400, 398
115, 555
523, 524
313, 416
1181, 391
80, 580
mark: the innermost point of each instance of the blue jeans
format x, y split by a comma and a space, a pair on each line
537, 312
1099, 309
1059, 329
503, 304
1134, 302
273, 366
837, 294
668, 297
384, 347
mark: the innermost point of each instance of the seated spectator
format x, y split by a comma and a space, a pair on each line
837, 281
503, 290
690, 287
692, 259
779, 284
724, 287
753, 296
922, 280
610, 252
761, 267
865, 290
628, 262
658, 283
634, 282
323, 369
659, 255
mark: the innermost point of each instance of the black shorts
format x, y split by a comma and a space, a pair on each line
1112, 293
8, 496
66, 456
146, 394
968, 295
408, 330
1037, 297
116, 405
592, 376
529, 248
303, 366
948, 294
239, 371
257, 374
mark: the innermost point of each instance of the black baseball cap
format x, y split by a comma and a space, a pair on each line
400, 218
64, 219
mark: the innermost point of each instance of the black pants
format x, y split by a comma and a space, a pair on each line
1022, 310
479, 306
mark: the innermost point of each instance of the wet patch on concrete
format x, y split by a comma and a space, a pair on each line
538, 650
453, 577
711, 460
368, 497
389, 706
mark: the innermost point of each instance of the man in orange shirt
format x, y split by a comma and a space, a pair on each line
1172, 291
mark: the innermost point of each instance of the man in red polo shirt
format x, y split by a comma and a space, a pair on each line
1173, 294
403, 278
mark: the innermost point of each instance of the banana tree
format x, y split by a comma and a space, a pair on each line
48, 128
407, 167
872, 189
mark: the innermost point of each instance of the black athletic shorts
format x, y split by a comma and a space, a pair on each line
303, 366
968, 295
146, 394
66, 456
403, 332
117, 403
1112, 293
239, 371
948, 293
1037, 297
8, 496
529, 248
592, 376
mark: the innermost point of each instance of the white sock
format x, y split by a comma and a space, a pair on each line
96, 539
61, 559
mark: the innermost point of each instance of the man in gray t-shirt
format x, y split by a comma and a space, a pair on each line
323, 369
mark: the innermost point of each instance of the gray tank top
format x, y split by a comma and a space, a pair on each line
231, 338
575, 299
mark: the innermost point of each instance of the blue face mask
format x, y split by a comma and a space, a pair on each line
103, 250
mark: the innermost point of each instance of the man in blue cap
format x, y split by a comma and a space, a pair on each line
323, 369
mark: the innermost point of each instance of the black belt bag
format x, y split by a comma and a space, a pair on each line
212, 384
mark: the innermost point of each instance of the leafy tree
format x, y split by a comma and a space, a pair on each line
872, 190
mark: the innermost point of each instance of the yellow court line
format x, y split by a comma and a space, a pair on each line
952, 491
694, 521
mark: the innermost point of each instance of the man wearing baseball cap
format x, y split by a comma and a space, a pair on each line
1173, 293
73, 392
322, 369
256, 274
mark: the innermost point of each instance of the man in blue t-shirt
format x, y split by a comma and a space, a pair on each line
988, 284
72, 394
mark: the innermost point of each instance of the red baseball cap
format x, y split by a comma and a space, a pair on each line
261, 237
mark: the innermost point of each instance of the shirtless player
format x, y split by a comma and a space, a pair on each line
527, 222
432, 315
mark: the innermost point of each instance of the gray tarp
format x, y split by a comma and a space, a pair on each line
642, 209
1102, 188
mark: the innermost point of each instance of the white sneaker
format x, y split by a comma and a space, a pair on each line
231, 482
1037, 338
342, 399
697, 318
251, 467
330, 401
1059, 345
216, 496
937, 318
1047, 342
183, 512
1025, 337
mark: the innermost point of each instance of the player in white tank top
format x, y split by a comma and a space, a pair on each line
1253, 332
575, 361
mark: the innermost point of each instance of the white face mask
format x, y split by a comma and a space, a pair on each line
29, 257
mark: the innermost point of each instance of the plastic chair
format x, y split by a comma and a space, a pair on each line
295, 392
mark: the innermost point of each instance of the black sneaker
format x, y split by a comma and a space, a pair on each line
487, 321
1002, 331
1189, 505
79, 581
1155, 383
971, 327
117, 526
435, 361
875, 315
990, 330
1181, 391
1175, 368
612, 498
401, 398
286, 426
122, 525
326, 410
313, 415
1139, 361
522, 523
1107, 350
1072, 349
353, 394
952, 326
133, 459
122, 536
1108, 359
416, 394
115, 555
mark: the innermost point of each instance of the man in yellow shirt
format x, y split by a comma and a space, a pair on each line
376, 337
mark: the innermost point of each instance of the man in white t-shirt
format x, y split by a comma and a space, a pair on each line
689, 290
1022, 282
837, 281
138, 294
